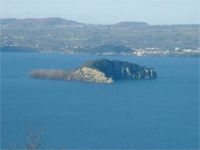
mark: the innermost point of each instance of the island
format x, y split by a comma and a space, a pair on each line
99, 71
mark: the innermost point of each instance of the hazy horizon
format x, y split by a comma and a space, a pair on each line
101, 23
106, 11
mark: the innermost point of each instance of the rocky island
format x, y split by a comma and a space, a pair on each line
99, 71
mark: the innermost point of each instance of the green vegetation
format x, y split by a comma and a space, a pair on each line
56, 34
100, 71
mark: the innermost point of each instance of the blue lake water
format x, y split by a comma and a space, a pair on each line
161, 113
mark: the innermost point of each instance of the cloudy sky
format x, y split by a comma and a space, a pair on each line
106, 11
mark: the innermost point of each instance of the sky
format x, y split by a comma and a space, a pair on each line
106, 11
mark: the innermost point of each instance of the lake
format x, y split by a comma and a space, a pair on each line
146, 114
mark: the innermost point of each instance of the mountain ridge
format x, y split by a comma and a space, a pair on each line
57, 34
125, 22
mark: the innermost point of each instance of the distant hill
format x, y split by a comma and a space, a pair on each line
57, 34
106, 48
34, 21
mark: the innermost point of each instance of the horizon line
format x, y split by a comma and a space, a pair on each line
128, 21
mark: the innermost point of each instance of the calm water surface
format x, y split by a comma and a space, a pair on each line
161, 113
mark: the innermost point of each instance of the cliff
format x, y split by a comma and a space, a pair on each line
100, 71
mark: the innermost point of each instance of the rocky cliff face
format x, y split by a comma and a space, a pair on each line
117, 70
100, 71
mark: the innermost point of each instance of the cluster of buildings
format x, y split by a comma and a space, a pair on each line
160, 52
